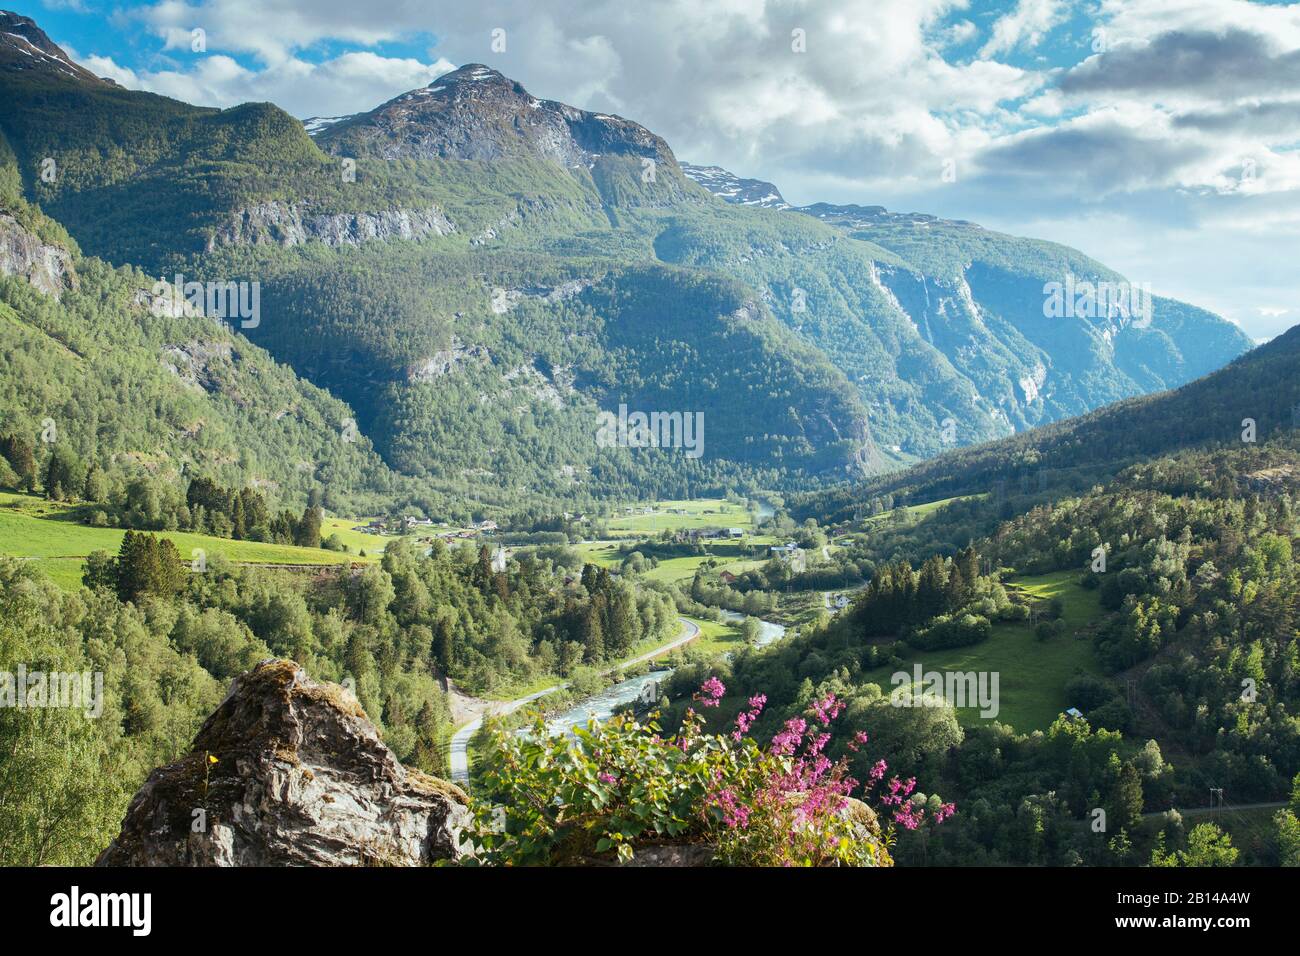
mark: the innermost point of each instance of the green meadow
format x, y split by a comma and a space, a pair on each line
917, 511
716, 637
50, 535
727, 554
356, 541
1032, 674
699, 513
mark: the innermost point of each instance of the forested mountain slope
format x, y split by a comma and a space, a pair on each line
464, 264
94, 371
1254, 398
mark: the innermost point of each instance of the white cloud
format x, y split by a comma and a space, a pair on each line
963, 31
1025, 26
350, 83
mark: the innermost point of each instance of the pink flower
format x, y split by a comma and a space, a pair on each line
745, 719
789, 738
710, 692
827, 709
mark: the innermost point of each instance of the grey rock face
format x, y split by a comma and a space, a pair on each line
47, 267
300, 778
445, 361
284, 224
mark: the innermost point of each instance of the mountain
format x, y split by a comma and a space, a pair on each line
479, 273
25, 47
477, 113
1248, 402
731, 188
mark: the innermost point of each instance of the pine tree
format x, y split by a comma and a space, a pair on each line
18, 451
95, 487
483, 570
238, 528
306, 533
593, 635
622, 634
444, 642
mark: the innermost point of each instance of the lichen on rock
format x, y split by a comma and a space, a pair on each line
289, 772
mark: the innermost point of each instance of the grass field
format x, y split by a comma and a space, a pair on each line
716, 637
700, 513
726, 553
49, 534
1032, 674
357, 541
916, 511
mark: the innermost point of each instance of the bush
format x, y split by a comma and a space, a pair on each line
1045, 630
560, 800
951, 631
1013, 612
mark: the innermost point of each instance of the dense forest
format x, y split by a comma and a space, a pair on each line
166, 642
1192, 556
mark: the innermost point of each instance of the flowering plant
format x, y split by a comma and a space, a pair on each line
622, 784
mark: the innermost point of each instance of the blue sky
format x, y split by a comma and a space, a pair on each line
1158, 135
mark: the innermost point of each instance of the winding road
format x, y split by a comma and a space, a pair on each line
460, 740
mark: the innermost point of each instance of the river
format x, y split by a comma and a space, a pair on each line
602, 705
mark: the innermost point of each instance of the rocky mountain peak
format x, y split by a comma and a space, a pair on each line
738, 190
25, 46
288, 772
477, 113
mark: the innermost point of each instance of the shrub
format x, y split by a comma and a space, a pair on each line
613, 786
951, 631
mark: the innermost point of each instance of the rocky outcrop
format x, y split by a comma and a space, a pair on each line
289, 224
505, 300
1276, 480
288, 772
196, 363
47, 267
445, 361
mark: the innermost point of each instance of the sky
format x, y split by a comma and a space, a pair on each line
1159, 136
